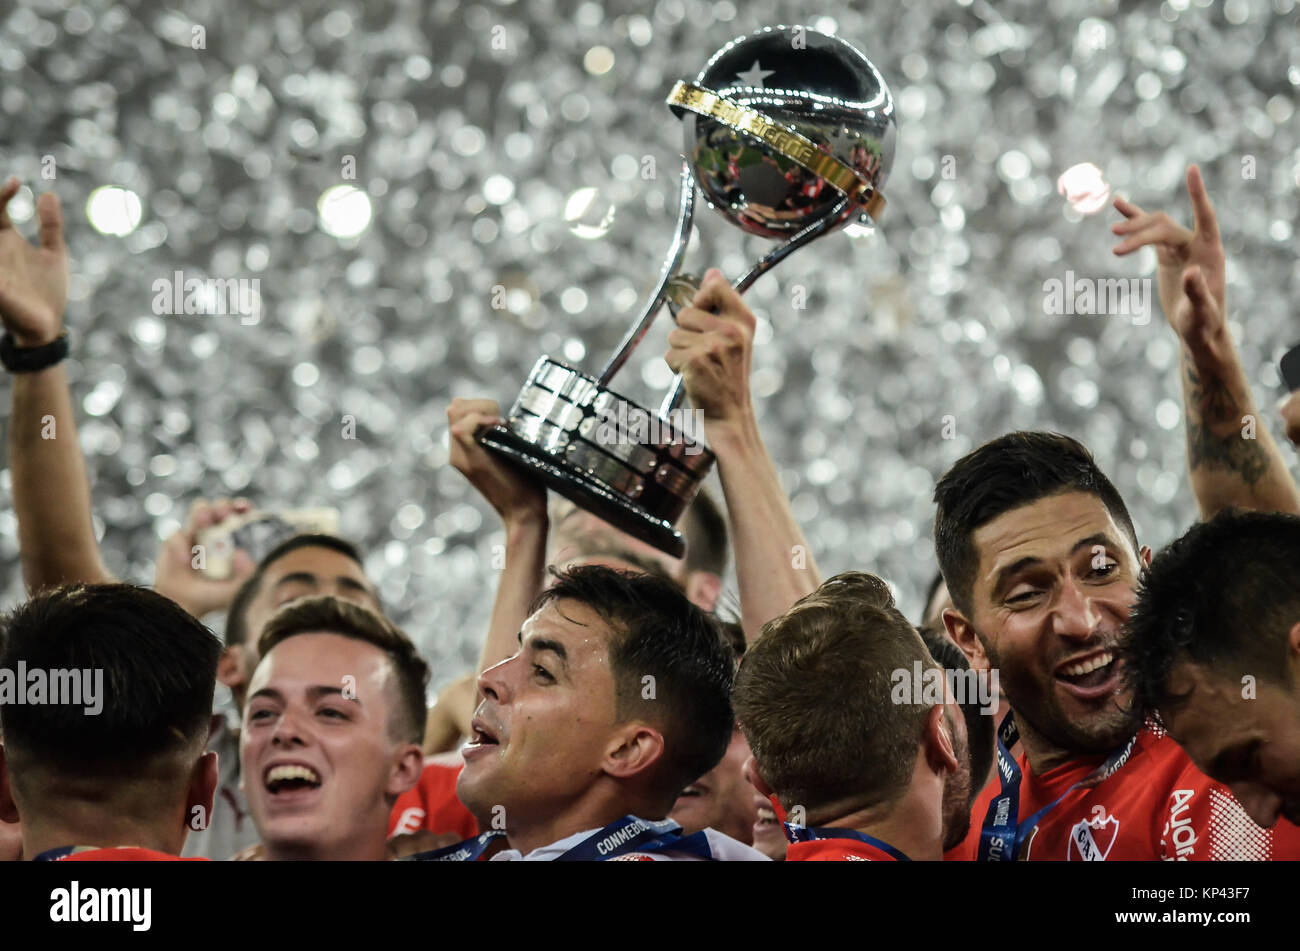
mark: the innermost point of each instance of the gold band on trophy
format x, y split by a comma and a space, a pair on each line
788, 142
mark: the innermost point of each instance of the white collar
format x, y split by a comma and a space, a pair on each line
547, 853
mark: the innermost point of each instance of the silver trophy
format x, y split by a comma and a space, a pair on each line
790, 135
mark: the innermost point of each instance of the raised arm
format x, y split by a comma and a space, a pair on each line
1232, 458
51, 489
521, 503
712, 347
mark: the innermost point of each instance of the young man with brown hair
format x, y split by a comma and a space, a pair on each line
875, 775
332, 730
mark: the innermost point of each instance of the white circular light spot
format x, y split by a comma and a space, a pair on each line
113, 210
344, 211
599, 60
573, 300
305, 374
498, 189
1084, 188
574, 350
1168, 414
1014, 165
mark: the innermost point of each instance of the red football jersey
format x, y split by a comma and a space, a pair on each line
125, 854
836, 850
432, 804
1158, 805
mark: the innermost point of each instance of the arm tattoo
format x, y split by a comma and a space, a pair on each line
1211, 401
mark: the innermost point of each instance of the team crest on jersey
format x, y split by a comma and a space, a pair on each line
1091, 839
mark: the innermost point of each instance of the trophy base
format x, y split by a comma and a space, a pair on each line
586, 492
575, 436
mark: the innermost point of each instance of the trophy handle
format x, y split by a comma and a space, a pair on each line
685, 215
765, 264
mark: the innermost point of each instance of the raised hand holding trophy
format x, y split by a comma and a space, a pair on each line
790, 135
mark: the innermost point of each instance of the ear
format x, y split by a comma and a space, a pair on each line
703, 588
963, 634
1144, 556
408, 764
232, 669
940, 745
1293, 642
756, 779
639, 747
203, 788
8, 808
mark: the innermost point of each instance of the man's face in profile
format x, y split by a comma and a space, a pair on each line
546, 721
1249, 740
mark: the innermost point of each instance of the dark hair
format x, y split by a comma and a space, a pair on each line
159, 669
236, 617
814, 697
705, 530
1003, 474
656, 632
330, 615
1222, 596
733, 635
979, 725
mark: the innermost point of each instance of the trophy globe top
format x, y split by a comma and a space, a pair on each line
781, 124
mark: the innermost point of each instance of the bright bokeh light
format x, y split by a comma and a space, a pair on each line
1084, 188
114, 210
344, 211
588, 216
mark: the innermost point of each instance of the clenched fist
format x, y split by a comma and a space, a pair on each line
513, 494
712, 348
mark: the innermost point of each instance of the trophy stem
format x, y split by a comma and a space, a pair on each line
685, 215
765, 264
779, 254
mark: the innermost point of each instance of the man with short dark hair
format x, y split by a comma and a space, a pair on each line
616, 699
119, 772
299, 567
1042, 563
877, 772
1213, 651
332, 730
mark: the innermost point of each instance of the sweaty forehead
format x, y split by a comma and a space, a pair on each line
583, 633
303, 661
1048, 529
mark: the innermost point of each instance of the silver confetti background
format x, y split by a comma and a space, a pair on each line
473, 130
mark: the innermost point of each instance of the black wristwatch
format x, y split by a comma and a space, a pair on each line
18, 359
